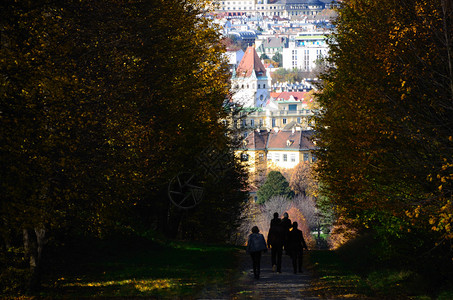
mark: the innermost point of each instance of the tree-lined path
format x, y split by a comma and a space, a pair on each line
271, 285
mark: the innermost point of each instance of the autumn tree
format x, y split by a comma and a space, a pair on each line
385, 136
302, 180
103, 103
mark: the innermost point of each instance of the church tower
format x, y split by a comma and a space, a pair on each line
250, 82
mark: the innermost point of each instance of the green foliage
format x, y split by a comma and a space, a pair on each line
129, 266
277, 57
357, 269
274, 185
385, 150
94, 124
285, 75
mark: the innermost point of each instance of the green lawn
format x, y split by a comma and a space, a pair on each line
339, 276
165, 271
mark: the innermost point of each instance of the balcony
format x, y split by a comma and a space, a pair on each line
280, 113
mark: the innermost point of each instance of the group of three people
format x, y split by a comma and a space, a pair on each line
282, 235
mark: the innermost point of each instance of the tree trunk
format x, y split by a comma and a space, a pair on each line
26, 238
33, 248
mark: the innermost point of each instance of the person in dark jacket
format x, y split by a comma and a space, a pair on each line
295, 245
286, 224
276, 220
255, 246
275, 241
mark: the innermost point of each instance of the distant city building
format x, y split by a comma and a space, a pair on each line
280, 8
263, 149
251, 87
305, 86
234, 57
247, 37
283, 111
250, 81
305, 51
272, 45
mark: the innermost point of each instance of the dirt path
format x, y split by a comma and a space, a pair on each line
285, 285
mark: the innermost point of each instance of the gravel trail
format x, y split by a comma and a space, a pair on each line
285, 285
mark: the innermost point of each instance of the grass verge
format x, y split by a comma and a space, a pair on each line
138, 268
338, 276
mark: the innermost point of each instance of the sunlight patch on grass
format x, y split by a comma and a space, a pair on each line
143, 285
155, 284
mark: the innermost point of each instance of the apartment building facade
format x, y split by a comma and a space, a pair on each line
271, 8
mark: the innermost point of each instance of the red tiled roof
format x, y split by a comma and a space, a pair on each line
250, 62
283, 139
296, 140
274, 95
257, 140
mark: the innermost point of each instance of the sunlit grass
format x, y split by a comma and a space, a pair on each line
172, 270
142, 285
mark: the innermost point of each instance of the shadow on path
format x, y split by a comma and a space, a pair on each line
271, 285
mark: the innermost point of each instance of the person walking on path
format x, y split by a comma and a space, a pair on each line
287, 224
255, 246
275, 241
295, 245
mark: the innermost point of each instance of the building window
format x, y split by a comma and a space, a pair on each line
298, 120
259, 85
293, 157
252, 123
285, 157
305, 156
264, 85
313, 157
273, 122
261, 122
284, 120
292, 107
277, 157
306, 60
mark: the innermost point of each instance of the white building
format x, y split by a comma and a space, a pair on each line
305, 51
250, 81
234, 57
262, 150
280, 8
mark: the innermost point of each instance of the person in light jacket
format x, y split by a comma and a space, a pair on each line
255, 246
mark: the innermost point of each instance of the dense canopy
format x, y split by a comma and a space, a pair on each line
103, 103
386, 135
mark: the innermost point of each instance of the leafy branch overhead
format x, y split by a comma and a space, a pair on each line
385, 140
102, 104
